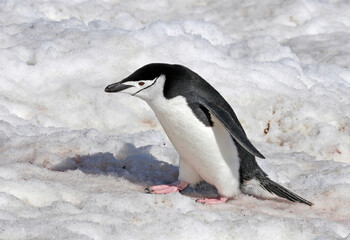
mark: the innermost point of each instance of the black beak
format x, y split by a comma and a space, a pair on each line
116, 87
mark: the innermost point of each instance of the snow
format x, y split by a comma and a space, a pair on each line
75, 160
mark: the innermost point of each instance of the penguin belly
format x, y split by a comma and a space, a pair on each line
206, 153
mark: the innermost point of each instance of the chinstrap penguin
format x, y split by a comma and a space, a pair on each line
204, 130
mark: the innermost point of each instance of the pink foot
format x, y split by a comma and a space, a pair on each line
220, 199
164, 189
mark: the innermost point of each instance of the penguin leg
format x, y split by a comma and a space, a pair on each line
214, 200
188, 173
164, 189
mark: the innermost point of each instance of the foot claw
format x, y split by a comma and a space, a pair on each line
147, 190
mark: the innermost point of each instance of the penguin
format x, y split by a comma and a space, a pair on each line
204, 130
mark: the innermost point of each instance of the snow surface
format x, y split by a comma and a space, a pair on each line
75, 160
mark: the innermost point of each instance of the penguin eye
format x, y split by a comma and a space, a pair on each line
141, 83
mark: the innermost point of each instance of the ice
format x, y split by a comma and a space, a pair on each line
75, 160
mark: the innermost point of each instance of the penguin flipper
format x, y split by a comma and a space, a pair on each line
249, 169
231, 126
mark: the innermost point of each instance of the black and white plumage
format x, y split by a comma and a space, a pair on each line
203, 129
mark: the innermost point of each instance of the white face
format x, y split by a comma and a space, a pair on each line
144, 89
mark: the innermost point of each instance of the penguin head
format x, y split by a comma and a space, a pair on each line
145, 83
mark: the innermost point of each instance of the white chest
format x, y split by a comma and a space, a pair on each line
208, 152
180, 124
192, 139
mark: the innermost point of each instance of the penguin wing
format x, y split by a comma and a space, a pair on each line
231, 126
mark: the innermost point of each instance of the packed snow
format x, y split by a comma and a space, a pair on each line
74, 161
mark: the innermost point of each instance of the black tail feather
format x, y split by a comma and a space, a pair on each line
249, 170
280, 191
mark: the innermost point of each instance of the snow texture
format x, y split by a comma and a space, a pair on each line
74, 160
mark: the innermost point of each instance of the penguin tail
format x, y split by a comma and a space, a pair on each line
249, 170
281, 191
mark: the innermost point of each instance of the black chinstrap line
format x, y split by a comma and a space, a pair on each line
145, 87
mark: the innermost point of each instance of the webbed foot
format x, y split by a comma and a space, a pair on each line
164, 189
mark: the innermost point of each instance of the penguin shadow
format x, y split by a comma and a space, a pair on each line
136, 165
